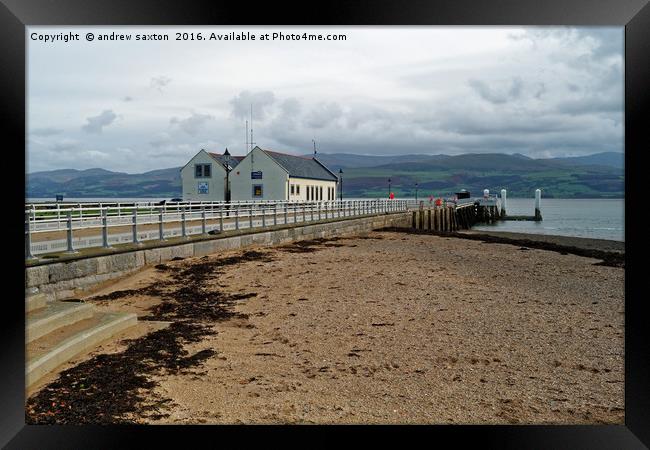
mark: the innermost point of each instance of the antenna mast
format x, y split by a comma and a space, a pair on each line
246, 134
314, 146
252, 142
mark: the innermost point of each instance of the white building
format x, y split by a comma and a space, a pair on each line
204, 176
260, 175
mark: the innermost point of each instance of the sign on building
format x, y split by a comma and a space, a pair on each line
203, 187
256, 175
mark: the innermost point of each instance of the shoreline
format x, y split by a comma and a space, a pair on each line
608, 245
608, 252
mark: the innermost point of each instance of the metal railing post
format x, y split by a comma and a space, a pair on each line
263, 216
203, 221
237, 218
304, 212
286, 213
320, 206
250, 217
311, 210
161, 222
183, 224
58, 216
105, 229
275, 214
221, 218
69, 234
135, 226
28, 238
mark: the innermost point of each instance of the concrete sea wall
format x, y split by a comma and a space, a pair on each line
59, 280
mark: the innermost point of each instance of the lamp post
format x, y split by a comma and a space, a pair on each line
389, 187
416, 192
341, 184
226, 158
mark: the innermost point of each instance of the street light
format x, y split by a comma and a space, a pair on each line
341, 184
389, 187
416, 192
226, 158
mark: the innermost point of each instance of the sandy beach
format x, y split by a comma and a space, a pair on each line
384, 328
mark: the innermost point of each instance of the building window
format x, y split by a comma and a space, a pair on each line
320, 193
297, 189
257, 191
293, 190
202, 170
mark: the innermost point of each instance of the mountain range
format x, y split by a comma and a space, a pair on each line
599, 175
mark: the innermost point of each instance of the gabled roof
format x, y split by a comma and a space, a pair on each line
234, 160
301, 167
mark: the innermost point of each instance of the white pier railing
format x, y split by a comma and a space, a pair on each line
58, 227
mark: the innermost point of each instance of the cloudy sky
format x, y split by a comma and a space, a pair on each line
137, 106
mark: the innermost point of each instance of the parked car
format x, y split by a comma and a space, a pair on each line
173, 200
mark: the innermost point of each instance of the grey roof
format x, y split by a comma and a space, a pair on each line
234, 160
302, 167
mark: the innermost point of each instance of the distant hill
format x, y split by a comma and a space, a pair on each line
594, 176
336, 161
610, 159
104, 183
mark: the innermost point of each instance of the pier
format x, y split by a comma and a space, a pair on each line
463, 213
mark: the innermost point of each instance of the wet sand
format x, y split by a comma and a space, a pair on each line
399, 328
570, 241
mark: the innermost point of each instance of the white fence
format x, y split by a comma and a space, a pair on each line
149, 221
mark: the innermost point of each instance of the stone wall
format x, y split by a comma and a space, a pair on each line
59, 280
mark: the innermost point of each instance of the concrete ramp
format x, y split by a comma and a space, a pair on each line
58, 331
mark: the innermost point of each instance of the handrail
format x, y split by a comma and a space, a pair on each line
237, 215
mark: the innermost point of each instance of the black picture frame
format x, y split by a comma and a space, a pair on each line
15, 15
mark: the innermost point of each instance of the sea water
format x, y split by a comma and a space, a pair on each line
589, 218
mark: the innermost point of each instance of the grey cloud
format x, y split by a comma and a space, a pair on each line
65, 146
323, 114
592, 105
160, 140
43, 132
159, 83
499, 92
97, 123
241, 104
286, 120
290, 107
610, 40
568, 98
193, 124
